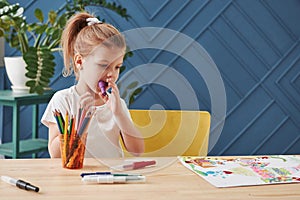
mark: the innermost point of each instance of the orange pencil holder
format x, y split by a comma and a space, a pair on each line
72, 150
73, 137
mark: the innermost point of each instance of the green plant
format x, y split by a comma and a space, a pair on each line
39, 54
13, 25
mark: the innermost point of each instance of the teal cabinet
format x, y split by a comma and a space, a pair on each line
17, 147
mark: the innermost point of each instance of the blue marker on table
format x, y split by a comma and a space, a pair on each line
94, 173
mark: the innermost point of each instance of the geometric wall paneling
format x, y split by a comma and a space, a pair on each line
256, 47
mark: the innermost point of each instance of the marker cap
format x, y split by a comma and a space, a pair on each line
26, 186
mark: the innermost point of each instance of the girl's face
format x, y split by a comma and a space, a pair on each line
104, 63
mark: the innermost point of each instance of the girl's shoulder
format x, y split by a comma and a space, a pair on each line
65, 93
64, 100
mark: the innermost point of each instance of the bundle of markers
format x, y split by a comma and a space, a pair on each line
73, 136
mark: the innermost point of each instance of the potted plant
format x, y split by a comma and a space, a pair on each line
12, 16
39, 53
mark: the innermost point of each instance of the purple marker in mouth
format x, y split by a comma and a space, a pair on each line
102, 85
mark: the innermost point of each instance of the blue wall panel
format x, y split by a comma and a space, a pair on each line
255, 45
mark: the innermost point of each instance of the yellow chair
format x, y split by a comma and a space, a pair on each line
172, 132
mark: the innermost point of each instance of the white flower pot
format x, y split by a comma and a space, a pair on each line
15, 69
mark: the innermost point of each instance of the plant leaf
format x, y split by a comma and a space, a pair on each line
123, 68
39, 15
52, 17
39, 89
30, 83
132, 85
124, 94
137, 91
131, 100
40, 29
31, 75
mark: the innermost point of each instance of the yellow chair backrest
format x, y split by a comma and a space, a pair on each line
173, 132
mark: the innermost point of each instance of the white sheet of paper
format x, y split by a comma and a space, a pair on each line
244, 171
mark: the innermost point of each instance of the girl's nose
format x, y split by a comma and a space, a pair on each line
109, 74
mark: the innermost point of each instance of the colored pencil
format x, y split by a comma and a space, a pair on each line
72, 133
78, 117
66, 133
83, 113
58, 122
84, 124
61, 119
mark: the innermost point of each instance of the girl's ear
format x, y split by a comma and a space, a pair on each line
78, 61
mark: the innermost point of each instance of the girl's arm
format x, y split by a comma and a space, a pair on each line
53, 140
132, 138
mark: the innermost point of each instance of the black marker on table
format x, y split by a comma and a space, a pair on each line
20, 183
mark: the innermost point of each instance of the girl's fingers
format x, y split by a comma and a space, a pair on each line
114, 88
86, 101
104, 97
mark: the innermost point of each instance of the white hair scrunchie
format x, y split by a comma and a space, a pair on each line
92, 21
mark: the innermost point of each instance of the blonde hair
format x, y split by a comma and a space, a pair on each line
80, 38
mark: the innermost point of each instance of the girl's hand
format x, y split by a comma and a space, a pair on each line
114, 98
87, 100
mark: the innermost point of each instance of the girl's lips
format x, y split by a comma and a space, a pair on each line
102, 85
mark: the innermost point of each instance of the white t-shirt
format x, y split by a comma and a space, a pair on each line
103, 140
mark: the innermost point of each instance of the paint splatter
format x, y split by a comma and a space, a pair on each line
242, 171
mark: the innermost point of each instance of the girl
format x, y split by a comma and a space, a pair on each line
95, 51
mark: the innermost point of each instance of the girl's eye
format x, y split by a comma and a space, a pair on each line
102, 65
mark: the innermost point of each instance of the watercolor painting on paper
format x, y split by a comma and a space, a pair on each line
243, 171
